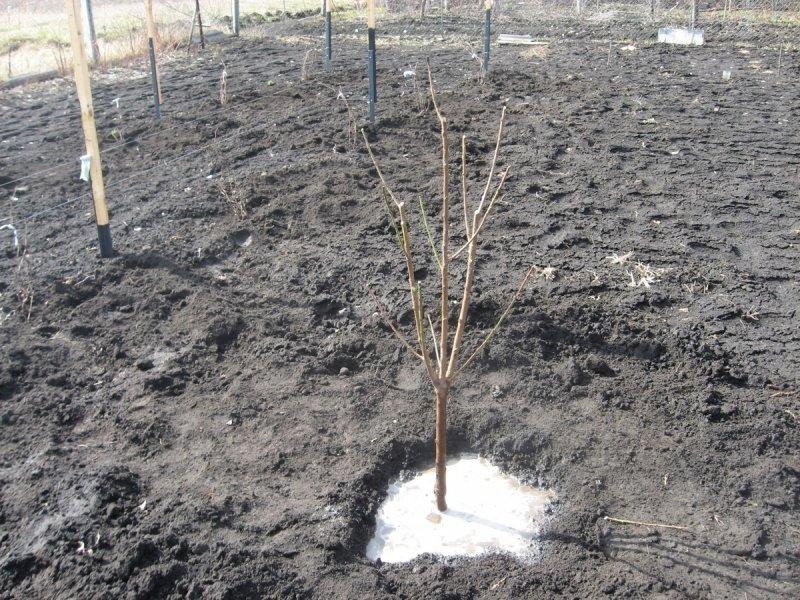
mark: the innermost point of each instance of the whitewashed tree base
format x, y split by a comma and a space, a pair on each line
487, 511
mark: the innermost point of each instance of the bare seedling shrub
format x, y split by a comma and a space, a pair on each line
223, 86
478, 59
352, 129
304, 66
420, 96
443, 365
60, 57
235, 200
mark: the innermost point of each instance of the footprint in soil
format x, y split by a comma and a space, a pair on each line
242, 238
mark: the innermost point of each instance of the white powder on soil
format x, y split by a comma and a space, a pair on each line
487, 511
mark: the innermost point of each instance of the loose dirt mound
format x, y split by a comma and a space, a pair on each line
216, 412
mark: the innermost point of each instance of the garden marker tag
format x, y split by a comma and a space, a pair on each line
682, 36
86, 164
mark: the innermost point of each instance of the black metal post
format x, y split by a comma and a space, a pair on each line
373, 92
328, 48
487, 39
154, 77
104, 237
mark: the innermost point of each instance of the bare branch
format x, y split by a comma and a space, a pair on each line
464, 311
392, 220
378, 169
444, 267
494, 160
429, 234
435, 346
481, 218
390, 325
464, 198
499, 321
416, 295
433, 91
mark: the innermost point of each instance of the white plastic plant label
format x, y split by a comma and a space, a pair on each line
86, 165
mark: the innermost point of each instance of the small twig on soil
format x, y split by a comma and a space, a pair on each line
643, 524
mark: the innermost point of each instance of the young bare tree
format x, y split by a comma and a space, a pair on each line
443, 367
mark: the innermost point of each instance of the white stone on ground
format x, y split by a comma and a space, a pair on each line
487, 511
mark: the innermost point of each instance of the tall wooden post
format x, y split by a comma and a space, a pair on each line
199, 20
92, 48
235, 16
152, 42
84, 87
371, 60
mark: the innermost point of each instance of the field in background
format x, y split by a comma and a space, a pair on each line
34, 36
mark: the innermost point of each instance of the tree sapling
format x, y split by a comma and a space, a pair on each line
443, 366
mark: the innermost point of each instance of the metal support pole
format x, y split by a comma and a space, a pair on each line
328, 48
235, 16
371, 59
152, 35
92, 48
371, 76
694, 14
151, 49
487, 36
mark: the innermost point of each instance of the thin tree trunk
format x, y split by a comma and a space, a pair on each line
440, 488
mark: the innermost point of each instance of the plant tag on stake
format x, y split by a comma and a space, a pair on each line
86, 164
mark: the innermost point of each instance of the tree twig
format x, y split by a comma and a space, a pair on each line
499, 321
387, 320
429, 234
464, 183
629, 522
494, 159
482, 217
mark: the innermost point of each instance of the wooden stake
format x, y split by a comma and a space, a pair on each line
152, 37
199, 24
84, 87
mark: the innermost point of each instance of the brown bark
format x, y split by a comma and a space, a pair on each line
440, 488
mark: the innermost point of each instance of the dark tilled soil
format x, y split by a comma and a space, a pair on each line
216, 412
